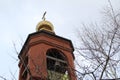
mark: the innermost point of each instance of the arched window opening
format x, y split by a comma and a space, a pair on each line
56, 65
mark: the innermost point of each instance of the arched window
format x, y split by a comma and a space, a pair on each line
56, 64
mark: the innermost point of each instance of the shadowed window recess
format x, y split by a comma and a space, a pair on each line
56, 65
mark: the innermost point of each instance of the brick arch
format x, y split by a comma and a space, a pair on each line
59, 52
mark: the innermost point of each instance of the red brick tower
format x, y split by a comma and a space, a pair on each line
46, 56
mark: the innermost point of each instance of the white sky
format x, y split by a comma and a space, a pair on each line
18, 18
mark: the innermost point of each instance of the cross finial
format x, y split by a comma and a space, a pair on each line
43, 18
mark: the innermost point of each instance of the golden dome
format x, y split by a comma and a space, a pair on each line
45, 25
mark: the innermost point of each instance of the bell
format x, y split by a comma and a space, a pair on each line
57, 63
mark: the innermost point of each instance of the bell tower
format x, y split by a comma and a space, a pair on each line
46, 56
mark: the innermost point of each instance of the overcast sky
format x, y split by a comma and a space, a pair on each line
18, 18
